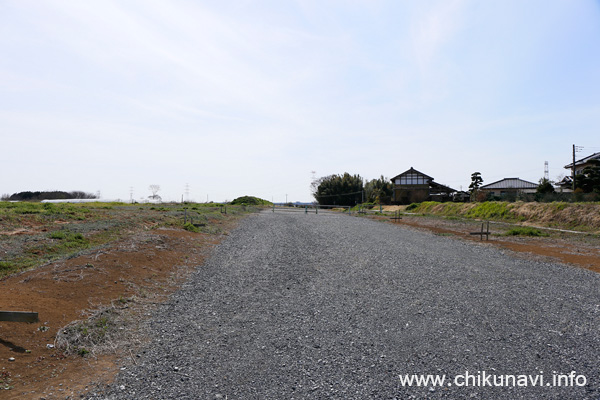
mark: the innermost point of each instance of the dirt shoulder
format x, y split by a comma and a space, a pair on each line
100, 295
578, 249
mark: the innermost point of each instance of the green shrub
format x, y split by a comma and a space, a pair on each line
525, 231
68, 236
191, 227
250, 201
58, 235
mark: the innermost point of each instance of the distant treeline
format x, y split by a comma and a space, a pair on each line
54, 195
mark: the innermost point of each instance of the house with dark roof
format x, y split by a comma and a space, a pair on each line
566, 184
580, 165
508, 186
413, 186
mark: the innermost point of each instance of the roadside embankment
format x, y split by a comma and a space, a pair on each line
576, 216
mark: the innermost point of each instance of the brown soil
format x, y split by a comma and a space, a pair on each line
147, 265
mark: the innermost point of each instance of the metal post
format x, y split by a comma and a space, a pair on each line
185, 216
305, 209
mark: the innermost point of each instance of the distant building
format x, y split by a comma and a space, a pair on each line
566, 184
580, 165
413, 186
508, 186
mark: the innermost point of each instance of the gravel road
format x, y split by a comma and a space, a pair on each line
328, 306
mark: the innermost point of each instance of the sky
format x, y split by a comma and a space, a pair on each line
217, 99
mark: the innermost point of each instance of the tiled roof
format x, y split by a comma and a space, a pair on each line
584, 160
510, 183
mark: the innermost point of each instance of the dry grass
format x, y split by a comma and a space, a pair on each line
577, 216
582, 216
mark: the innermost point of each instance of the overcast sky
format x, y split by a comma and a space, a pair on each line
250, 97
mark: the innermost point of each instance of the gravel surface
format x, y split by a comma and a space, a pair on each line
295, 306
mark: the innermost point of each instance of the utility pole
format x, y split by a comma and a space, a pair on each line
573, 172
575, 149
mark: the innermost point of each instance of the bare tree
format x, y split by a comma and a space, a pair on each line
154, 189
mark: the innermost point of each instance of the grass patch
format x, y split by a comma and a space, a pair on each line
67, 241
191, 227
495, 210
66, 211
63, 230
491, 210
526, 231
559, 205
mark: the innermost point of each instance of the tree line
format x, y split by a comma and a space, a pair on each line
48, 195
349, 190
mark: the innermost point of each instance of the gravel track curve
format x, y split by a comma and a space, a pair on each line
328, 306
